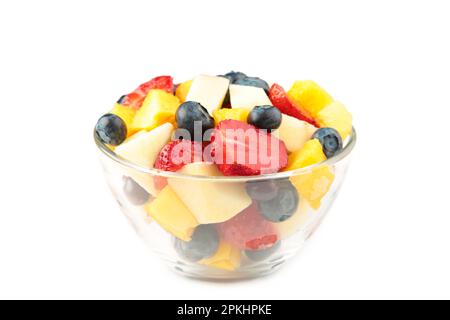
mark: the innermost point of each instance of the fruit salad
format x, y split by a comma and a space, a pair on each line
229, 167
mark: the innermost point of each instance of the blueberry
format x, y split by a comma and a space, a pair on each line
135, 194
260, 255
262, 190
330, 140
234, 76
253, 82
121, 99
283, 206
204, 244
111, 129
192, 114
265, 117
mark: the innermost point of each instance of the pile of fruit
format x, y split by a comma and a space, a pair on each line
227, 125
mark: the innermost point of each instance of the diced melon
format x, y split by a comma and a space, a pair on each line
183, 90
209, 91
239, 114
159, 107
248, 97
210, 202
226, 258
336, 116
309, 97
172, 215
294, 132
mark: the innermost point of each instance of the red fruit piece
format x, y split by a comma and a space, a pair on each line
279, 99
241, 149
174, 155
248, 230
136, 98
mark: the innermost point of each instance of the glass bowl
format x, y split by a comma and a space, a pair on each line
241, 245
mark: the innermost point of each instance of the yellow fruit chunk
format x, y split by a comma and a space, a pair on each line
336, 116
227, 258
310, 154
126, 114
240, 114
183, 90
172, 215
159, 107
309, 97
314, 186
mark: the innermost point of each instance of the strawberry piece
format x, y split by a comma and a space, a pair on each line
279, 99
174, 155
136, 98
248, 230
241, 149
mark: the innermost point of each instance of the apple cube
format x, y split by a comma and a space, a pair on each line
294, 133
248, 97
209, 91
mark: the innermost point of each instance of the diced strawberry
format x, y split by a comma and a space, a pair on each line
136, 98
279, 99
174, 155
241, 149
248, 230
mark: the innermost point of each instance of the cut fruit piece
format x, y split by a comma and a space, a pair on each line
311, 153
172, 215
210, 202
280, 100
126, 114
239, 114
183, 90
242, 150
248, 97
315, 185
226, 258
309, 97
209, 91
134, 99
249, 231
336, 116
143, 149
159, 107
296, 222
294, 133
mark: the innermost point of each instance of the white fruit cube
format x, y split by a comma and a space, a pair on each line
209, 91
248, 97
143, 149
210, 202
294, 132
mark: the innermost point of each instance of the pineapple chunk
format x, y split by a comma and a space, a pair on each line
310, 154
183, 90
240, 114
337, 117
209, 91
248, 97
226, 258
309, 97
172, 215
158, 108
126, 114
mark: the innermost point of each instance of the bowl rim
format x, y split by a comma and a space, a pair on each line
348, 147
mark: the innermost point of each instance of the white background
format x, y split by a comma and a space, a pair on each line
63, 64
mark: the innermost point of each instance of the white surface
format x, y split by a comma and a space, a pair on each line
63, 64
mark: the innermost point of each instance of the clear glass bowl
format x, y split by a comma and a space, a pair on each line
317, 187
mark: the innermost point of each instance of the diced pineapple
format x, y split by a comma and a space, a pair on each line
239, 114
310, 154
172, 215
336, 116
183, 90
309, 97
159, 107
226, 258
126, 114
